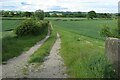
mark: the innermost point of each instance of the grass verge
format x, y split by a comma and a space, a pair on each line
83, 56
13, 46
44, 50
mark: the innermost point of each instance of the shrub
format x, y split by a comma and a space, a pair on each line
31, 27
106, 31
115, 33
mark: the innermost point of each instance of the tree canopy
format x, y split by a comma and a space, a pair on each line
39, 14
91, 14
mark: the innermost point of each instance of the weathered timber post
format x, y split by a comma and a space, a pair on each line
112, 46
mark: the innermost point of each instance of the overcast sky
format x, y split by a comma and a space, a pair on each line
109, 6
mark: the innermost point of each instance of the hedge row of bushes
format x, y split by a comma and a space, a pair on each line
68, 20
31, 27
108, 32
12, 18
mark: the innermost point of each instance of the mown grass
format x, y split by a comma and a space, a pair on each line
82, 50
44, 50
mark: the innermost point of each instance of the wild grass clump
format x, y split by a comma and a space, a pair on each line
101, 67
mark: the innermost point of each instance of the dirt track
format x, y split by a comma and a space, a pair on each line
53, 66
13, 68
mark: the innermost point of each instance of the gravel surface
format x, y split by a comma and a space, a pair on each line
14, 67
52, 67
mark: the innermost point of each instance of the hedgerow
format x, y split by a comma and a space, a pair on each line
31, 27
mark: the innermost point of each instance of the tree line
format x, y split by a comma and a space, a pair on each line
89, 15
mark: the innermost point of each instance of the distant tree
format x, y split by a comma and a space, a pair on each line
79, 14
0, 13
105, 15
39, 14
54, 15
47, 14
22, 14
91, 14
5, 13
12, 14
27, 14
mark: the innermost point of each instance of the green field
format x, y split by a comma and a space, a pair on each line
10, 24
82, 47
90, 28
12, 45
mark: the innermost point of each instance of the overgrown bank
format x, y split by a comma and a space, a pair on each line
24, 38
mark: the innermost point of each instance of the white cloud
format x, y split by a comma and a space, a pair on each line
70, 5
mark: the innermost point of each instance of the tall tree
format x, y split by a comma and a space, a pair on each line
39, 14
27, 14
91, 14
